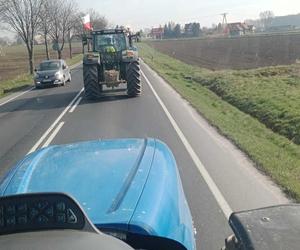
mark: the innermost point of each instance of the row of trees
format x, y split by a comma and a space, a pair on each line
58, 21
172, 30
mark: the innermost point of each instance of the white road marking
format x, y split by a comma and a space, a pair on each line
75, 105
209, 181
38, 143
54, 133
14, 97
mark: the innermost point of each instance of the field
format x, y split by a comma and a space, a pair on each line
234, 53
257, 109
14, 59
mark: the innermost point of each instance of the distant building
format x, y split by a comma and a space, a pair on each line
281, 28
239, 29
290, 21
39, 40
157, 33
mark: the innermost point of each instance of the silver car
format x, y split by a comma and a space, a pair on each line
51, 73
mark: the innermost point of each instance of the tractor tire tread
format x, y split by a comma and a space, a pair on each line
134, 87
92, 89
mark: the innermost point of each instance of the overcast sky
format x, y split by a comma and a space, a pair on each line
150, 13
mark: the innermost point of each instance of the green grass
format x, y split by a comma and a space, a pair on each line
74, 60
16, 84
269, 94
210, 93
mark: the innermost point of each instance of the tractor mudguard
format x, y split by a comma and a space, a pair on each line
276, 227
91, 58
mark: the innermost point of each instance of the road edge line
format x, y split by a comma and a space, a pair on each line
226, 209
14, 97
39, 142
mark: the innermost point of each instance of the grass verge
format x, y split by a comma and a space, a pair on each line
14, 85
274, 154
25, 80
74, 60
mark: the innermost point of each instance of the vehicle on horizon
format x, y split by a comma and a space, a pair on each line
118, 194
113, 61
52, 73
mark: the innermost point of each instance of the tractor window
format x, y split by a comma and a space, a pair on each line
118, 41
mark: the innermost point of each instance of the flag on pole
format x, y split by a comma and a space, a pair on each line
87, 22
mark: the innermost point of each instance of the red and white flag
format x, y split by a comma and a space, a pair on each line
87, 22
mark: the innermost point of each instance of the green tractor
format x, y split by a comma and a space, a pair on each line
113, 61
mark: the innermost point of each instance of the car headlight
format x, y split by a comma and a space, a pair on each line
58, 75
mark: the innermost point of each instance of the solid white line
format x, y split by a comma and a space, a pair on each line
54, 124
209, 181
10, 99
75, 105
54, 133
14, 97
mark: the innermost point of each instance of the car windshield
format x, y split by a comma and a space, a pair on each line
118, 41
49, 66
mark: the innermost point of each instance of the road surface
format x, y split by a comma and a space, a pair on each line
217, 178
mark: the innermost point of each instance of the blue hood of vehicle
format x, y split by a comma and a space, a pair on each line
121, 184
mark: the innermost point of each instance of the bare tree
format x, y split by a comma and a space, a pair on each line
79, 30
98, 21
23, 16
72, 30
266, 18
62, 20
46, 25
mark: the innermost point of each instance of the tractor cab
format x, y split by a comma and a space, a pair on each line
115, 39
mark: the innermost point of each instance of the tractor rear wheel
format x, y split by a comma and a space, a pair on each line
92, 89
134, 87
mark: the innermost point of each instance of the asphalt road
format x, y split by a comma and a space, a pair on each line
217, 178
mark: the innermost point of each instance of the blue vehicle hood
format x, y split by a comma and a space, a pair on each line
121, 184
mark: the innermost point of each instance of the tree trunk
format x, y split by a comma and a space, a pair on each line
46, 46
70, 48
30, 57
59, 54
82, 47
60, 49
31, 63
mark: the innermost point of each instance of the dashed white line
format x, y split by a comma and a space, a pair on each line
54, 133
39, 142
16, 96
209, 181
75, 105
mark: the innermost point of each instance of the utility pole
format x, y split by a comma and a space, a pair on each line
224, 22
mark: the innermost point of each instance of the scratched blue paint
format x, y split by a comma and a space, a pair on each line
126, 184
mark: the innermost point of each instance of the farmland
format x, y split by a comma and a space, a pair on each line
234, 53
257, 109
13, 59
